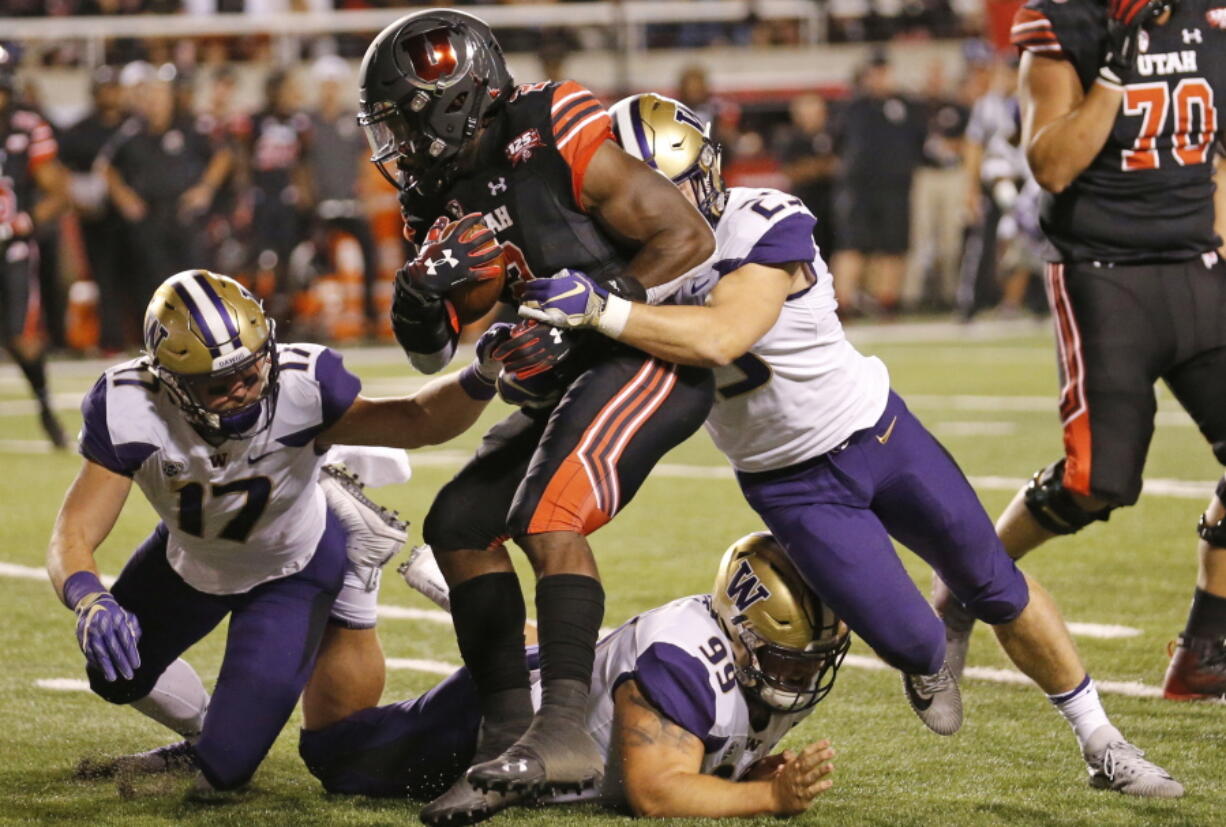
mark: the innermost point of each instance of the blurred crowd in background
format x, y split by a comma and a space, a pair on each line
922, 194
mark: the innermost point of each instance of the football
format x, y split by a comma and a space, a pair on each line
476, 298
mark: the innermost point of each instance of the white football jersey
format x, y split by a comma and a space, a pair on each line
240, 513
681, 660
802, 389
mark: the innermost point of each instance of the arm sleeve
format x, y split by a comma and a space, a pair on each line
1033, 32
580, 125
788, 240
677, 684
95, 443
337, 387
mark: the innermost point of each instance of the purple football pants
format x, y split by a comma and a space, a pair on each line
274, 635
835, 514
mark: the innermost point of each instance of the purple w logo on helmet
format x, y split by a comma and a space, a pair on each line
745, 589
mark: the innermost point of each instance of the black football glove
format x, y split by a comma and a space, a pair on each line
453, 253
1124, 21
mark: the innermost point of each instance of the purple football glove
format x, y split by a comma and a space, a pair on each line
107, 632
569, 299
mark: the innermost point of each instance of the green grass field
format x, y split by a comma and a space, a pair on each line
987, 394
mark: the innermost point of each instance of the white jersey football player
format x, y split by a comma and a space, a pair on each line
825, 452
688, 702
225, 431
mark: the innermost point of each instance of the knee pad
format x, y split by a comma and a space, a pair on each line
1053, 507
1214, 535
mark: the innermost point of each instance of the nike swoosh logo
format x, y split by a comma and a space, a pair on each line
574, 291
254, 460
884, 438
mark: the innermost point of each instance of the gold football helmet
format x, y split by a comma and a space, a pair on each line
788, 644
210, 343
671, 138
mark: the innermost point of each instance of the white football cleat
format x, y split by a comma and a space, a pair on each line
422, 573
936, 699
375, 534
1115, 764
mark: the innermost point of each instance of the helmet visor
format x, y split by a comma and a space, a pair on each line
387, 131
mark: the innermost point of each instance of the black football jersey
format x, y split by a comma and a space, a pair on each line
26, 140
1148, 195
529, 184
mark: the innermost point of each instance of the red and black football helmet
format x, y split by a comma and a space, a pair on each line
427, 83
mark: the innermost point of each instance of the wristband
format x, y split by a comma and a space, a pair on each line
476, 385
613, 318
79, 586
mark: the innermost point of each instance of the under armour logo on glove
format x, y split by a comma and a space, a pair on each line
432, 265
469, 255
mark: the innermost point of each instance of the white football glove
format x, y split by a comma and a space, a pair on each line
375, 534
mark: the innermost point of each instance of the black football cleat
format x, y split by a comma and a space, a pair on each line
553, 756
1197, 670
462, 804
172, 759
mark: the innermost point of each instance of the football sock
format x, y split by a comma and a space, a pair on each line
569, 609
488, 613
178, 700
1207, 617
1082, 709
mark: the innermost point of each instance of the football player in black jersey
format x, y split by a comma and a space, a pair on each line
33, 190
537, 165
1119, 109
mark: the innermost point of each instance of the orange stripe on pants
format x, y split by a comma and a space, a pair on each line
569, 502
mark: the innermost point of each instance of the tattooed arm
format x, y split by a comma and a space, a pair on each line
661, 765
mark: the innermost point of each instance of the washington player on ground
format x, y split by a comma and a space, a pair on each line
1121, 107
33, 191
687, 702
829, 456
225, 431
538, 164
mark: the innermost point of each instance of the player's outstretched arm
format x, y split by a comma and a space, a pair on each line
106, 632
445, 408
1062, 129
641, 206
739, 311
88, 514
661, 765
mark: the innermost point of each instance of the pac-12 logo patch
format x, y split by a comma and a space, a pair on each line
520, 148
745, 589
172, 468
1216, 18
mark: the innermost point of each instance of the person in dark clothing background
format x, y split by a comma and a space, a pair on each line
101, 225
880, 139
806, 151
162, 174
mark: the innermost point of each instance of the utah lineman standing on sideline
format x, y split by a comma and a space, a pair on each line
1120, 112
537, 164
829, 456
224, 430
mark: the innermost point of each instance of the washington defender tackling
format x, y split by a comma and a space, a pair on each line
687, 702
829, 456
224, 430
